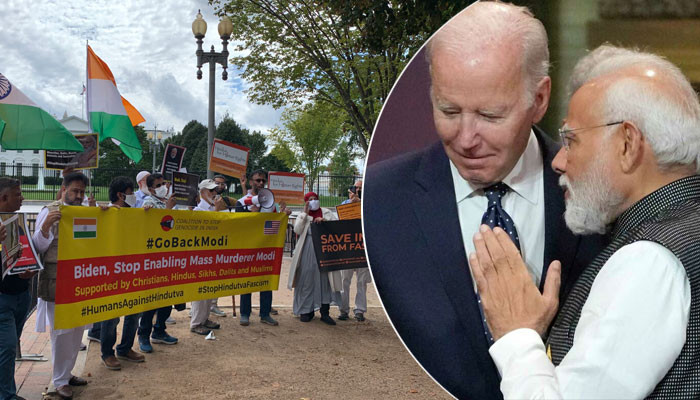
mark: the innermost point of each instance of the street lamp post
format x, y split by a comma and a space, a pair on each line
154, 140
199, 29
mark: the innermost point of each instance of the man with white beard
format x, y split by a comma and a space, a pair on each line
630, 327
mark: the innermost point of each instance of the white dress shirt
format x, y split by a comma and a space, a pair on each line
41, 244
632, 329
524, 203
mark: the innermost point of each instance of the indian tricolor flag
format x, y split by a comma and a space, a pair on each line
110, 115
25, 126
84, 228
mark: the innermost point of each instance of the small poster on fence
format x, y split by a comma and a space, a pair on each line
87, 159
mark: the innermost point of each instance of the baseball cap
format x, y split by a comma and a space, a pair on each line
207, 184
142, 175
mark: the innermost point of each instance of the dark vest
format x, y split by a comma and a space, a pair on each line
669, 216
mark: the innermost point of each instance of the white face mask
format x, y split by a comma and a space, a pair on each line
314, 205
162, 191
130, 199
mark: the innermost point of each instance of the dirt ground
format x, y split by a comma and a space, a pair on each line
295, 360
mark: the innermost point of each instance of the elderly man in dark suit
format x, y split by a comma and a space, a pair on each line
490, 85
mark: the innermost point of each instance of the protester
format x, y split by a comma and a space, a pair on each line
155, 199
312, 288
65, 343
143, 188
121, 195
210, 201
15, 298
630, 327
489, 85
230, 203
258, 179
363, 276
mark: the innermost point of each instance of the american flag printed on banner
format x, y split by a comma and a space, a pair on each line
271, 227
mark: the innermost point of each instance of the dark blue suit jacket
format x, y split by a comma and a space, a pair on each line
419, 265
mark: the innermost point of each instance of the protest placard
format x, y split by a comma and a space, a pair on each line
349, 211
172, 159
87, 159
174, 257
338, 245
228, 158
287, 186
185, 187
18, 254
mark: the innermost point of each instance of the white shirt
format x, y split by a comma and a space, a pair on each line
524, 203
632, 329
41, 244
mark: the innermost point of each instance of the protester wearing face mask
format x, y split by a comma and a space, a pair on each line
121, 195
156, 199
143, 188
312, 288
210, 201
158, 193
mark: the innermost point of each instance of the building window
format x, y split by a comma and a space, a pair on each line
36, 151
19, 169
19, 151
2, 150
35, 169
3, 167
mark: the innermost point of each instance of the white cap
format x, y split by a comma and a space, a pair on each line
207, 184
142, 175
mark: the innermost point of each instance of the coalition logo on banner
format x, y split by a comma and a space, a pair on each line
201, 255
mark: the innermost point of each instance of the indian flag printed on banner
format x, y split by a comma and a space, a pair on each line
109, 114
25, 126
84, 228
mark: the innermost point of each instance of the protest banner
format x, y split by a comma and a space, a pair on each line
87, 159
338, 245
18, 254
172, 159
287, 186
228, 158
185, 187
124, 261
349, 211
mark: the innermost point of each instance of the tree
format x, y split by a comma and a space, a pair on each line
342, 168
344, 53
312, 132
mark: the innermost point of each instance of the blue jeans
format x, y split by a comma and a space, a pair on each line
265, 304
146, 322
13, 312
108, 335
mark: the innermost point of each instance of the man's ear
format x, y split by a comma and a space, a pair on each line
630, 148
541, 101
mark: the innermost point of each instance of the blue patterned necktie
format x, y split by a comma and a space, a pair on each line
495, 216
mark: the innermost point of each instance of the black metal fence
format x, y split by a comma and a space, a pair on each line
39, 183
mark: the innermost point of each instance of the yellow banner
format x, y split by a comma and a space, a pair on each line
124, 261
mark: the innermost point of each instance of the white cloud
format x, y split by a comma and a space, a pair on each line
149, 47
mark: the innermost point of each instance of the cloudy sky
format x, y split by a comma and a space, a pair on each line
148, 45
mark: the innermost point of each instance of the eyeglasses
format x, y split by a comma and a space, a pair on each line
566, 139
261, 180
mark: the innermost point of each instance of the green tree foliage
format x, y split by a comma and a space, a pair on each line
284, 152
342, 165
341, 52
312, 133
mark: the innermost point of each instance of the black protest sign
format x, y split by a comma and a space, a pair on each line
172, 159
338, 245
185, 188
87, 159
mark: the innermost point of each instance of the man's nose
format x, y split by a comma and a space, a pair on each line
468, 136
559, 161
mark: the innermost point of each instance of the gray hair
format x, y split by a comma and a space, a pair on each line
668, 117
487, 24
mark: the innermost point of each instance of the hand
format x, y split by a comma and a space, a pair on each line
244, 182
3, 232
509, 297
306, 208
105, 207
91, 200
27, 274
171, 202
318, 220
147, 207
254, 208
219, 203
51, 219
284, 209
59, 195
